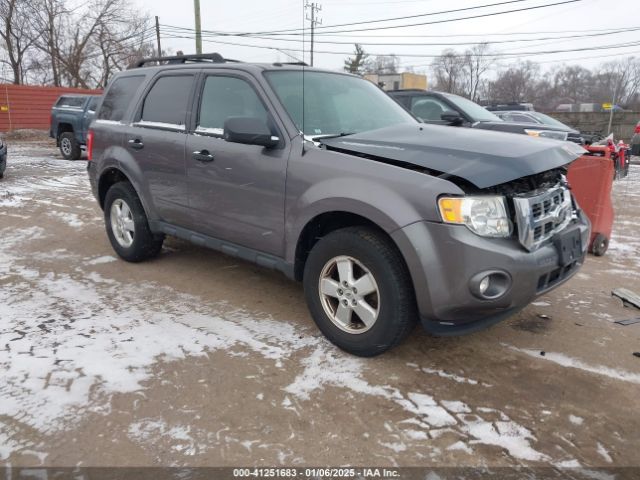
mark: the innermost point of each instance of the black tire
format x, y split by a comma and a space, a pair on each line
635, 150
69, 146
145, 244
397, 311
600, 245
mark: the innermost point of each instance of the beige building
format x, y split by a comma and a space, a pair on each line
398, 81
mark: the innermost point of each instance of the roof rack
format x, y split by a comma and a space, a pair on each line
300, 64
204, 57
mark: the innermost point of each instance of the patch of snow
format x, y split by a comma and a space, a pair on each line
566, 361
102, 260
576, 420
604, 453
459, 445
508, 435
456, 406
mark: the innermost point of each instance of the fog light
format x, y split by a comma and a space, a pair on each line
490, 285
484, 285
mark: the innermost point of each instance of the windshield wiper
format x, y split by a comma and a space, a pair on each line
331, 135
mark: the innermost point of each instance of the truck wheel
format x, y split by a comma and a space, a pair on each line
359, 291
69, 146
127, 225
600, 245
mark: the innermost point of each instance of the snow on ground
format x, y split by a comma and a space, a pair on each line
71, 340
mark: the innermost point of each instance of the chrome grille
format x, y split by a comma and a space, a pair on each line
541, 215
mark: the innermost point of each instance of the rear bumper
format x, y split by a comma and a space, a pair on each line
443, 259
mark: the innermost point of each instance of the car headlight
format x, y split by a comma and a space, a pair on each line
484, 215
547, 134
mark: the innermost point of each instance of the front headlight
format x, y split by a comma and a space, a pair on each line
555, 135
484, 215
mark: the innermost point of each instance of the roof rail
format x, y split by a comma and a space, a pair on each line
300, 64
203, 57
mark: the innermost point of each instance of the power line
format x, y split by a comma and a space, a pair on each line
520, 54
549, 32
387, 27
328, 42
365, 22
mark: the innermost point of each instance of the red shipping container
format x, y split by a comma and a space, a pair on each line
591, 180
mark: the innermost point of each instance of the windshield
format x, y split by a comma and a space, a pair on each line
473, 110
335, 104
547, 120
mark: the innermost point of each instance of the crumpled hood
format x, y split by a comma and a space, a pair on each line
481, 157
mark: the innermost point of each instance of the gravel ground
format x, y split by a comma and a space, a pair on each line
198, 359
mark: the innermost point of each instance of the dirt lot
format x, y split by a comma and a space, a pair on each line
200, 359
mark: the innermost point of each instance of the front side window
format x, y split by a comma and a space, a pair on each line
167, 101
224, 97
335, 103
429, 109
474, 111
119, 97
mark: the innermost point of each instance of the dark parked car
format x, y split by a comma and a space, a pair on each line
635, 141
70, 119
3, 157
544, 119
385, 220
448, 109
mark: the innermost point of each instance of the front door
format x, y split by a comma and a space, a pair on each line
236, 191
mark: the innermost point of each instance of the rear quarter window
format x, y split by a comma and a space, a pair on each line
119, 97
70, 102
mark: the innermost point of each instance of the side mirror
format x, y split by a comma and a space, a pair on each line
452, 117
250, 131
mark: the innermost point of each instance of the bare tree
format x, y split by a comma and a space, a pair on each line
381, 64
515, 84
477, 62
448, 71
16, 34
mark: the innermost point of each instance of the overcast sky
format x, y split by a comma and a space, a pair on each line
579, 18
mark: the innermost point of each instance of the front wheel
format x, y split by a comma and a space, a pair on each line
359, 291
127, 225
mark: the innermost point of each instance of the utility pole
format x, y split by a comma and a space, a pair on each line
196, 7
312, 16
158, 36
613, 105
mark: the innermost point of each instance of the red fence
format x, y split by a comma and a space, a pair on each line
23, 106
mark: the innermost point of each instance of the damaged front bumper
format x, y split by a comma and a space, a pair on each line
447, 261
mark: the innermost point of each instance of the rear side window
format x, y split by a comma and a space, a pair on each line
71, 102
167, 100
225, 97
119, 97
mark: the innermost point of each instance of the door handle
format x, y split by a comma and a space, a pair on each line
136, 144
202, 156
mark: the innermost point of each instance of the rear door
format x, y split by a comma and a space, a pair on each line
236, 191
157, 142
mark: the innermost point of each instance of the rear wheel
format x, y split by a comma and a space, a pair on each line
69, 146
359, 291
127, 225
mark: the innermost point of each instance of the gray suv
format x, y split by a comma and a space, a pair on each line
324, 177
